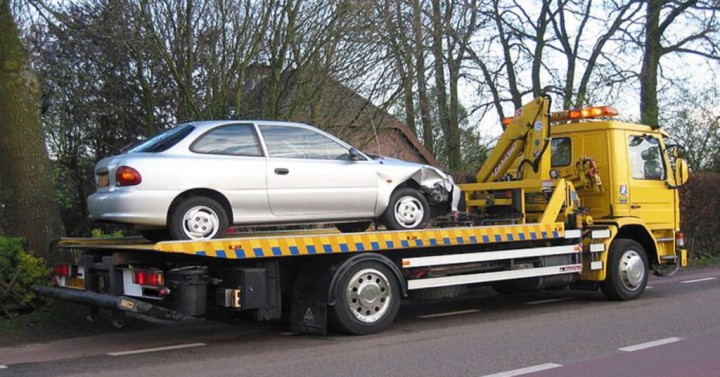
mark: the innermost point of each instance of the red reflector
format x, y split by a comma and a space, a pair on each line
127, 176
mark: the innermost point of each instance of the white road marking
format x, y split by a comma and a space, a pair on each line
697, 280
519, 372
448, 314
3, 366
157, 349
655, 343
649, 287
549, 301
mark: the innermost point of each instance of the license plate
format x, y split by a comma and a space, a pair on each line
103, 180
75, 283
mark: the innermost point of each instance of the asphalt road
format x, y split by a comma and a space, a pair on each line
672, 330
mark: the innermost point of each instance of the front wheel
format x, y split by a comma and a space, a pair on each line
408, 209
198, 218
627, 271
368, 299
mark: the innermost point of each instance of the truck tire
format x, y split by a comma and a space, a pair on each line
197, 218
368, 299
408, 209
627, 271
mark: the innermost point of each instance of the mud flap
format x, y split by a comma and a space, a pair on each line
308, 313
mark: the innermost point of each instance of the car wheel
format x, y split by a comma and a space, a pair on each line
353, 227
408, 209
156, 235
627, 271
198, 218
368, 299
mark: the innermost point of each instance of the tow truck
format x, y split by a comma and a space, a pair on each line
566, 200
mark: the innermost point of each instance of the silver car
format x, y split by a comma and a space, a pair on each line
197, 179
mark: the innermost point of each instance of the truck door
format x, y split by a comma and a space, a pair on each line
648, 195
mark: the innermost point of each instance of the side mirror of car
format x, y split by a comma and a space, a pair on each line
354, 154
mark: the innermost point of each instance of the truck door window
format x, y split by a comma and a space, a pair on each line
560, 151
645, 159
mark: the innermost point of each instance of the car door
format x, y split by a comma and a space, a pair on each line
309, 173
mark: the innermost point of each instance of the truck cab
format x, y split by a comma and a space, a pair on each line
639, 192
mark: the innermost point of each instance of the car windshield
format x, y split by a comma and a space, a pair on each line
163, 141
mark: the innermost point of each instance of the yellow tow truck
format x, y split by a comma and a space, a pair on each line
566, 199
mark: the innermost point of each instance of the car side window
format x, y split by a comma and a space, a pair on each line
296, 142
560, 151
235, 139
645, 158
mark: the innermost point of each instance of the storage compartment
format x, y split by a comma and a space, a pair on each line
188, 289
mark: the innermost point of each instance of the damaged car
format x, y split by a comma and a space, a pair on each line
196, 180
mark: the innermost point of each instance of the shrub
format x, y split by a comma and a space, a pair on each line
700, 205
29, 269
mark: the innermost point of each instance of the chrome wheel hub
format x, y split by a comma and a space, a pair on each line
632, 270
368, 295
200, 222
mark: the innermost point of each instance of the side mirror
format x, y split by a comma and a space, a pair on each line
354, 154
681, 172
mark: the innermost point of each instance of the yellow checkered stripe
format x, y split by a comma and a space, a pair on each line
268, 247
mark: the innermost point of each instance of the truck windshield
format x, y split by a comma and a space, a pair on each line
163, 141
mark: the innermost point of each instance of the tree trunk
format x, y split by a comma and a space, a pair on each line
27, 184
650, 63
442, 103
423, 99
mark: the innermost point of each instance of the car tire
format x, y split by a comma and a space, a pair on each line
627, 271
353, 227
156, 235
368, 299
198, 218
408, 209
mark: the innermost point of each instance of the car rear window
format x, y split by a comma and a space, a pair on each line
163, 141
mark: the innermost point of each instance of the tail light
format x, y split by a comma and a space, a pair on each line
127, 176
679, 240
148, 278
65, 269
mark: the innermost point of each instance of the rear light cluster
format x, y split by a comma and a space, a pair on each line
679, 240
127, 176
65, 269
149, 278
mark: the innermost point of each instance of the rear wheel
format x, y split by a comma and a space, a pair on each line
627, 271
368, 299
353, 227
408, 209
198, 218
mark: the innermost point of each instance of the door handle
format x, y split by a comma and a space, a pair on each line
635, 206
281, 171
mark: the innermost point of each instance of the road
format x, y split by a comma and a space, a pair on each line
672, 330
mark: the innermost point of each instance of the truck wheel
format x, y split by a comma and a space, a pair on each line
368, 299
198, 218
408, 209
353, 227
627, 271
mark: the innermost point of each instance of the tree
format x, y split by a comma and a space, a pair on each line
674, 26
27, 184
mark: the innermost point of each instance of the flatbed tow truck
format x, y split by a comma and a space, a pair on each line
564, 201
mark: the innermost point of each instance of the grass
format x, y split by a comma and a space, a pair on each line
706, 261
58, 320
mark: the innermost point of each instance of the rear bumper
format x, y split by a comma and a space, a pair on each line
130, 206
